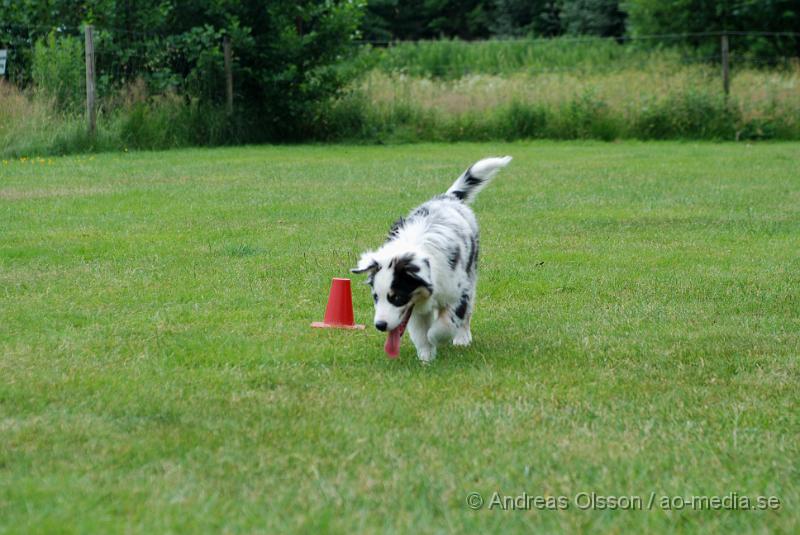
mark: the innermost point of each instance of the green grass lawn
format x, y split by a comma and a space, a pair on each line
637, 332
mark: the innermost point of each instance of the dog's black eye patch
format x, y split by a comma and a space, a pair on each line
405, 280
398, 299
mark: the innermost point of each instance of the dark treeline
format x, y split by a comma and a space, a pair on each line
482, 19
388, 20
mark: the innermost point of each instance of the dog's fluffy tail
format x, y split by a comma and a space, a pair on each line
477, 177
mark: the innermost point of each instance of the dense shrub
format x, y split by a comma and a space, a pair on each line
59, 71
692, 114
451, 59
521, 121
285, 51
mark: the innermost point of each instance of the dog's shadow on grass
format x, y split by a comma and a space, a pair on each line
448, 359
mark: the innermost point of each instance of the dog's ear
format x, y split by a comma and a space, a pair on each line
366, 264
416, 271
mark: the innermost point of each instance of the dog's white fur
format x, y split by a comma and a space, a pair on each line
428, 266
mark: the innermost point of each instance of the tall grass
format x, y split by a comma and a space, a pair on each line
58, 71
32, 123
562, 88
450, 91
453, 59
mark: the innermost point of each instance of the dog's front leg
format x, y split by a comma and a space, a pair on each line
418, 326
442, 331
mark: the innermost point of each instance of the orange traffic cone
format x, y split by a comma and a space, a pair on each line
339, 312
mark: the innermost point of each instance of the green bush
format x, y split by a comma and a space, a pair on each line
582, 118
169, 122
59, 71
468, 127
451, 59
521, 121
692, 114
346, 117
685, 115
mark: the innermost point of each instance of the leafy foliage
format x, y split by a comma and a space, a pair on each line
592, 17
656, 17
58, 70
477, 19
388, 20
427, 19
453, 59
285, 50
517, 18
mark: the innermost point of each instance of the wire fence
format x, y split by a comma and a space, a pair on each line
124, 54
620, 39
719, 50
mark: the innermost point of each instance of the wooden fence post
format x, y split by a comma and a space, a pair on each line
226, 49
726, 73
91, 112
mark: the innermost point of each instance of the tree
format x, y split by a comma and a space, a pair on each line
426, 19
657, 17
520, 18
285, 51
592, 17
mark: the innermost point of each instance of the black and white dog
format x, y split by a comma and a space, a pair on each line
424, 276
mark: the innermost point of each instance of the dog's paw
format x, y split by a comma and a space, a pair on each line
426, 355
440, 333
462, 338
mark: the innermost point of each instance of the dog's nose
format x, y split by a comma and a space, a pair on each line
380, 325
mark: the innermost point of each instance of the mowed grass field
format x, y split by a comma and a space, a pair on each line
637, 333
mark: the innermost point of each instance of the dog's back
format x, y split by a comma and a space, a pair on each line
445, 223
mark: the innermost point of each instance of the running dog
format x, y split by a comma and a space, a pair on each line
424, 277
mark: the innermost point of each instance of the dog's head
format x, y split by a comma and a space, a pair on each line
398, 282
